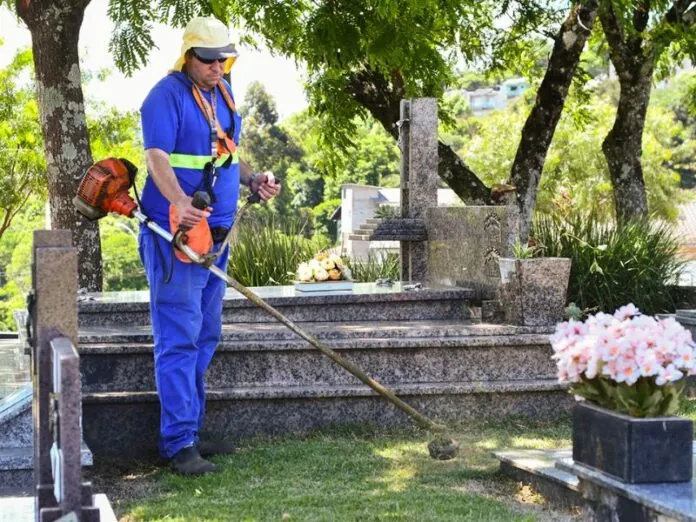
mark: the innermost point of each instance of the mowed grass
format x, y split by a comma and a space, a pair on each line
350, 474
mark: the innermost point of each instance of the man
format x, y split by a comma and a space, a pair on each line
188, 120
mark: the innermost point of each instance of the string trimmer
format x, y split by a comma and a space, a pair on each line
105, 187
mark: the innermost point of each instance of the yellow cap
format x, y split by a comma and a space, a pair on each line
210, 38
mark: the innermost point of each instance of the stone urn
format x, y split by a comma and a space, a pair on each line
534, 289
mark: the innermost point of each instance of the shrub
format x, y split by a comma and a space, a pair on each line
614, 265
376, 266
266, 251
388, 211
123, 269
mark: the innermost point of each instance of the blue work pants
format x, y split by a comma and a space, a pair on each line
186, 312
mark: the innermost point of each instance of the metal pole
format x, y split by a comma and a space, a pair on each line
420, 419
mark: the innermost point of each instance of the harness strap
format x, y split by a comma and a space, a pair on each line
225, 142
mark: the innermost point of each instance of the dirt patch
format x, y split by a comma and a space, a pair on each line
124, 481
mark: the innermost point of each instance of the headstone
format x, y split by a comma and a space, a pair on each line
53, 311
52, 306
464, 244
419, 178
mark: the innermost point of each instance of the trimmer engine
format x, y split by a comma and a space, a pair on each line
104, 188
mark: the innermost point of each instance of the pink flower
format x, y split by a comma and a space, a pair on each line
627, 371
613, 350
669, 374
626, 312
648, 365
594, 365
684, 357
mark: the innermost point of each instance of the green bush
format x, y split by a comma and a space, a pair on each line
388, 211
376, 266
614, 265
123, 269
266, 251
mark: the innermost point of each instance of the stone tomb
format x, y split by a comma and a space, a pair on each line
600, 496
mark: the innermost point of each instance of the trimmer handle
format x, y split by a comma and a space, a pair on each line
254, 197
201, 200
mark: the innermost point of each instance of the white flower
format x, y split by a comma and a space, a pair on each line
669, 374
594, 365
626, 312
627, 371
314, 264
685, 357
336, 260
327, 264
320, 274
304, 273
648, 365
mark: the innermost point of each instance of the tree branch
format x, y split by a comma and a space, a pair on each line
540, 126
12, 211
679, 9
617, 46
641, 16
382, 98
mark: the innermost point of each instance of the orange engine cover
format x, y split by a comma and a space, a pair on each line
104, 188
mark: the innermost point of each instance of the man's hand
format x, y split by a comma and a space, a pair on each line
265, 184
190, 216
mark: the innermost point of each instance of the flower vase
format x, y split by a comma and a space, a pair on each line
634, 450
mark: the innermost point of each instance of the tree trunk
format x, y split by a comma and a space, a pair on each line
623, 148
55, 29
382, 98
541, 124
633, 58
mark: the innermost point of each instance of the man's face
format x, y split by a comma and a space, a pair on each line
205, 75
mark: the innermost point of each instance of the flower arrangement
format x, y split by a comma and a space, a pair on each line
323, 267
628, 362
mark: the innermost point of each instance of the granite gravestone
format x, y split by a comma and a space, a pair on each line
60, 491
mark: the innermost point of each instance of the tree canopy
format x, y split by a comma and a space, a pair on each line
22, 162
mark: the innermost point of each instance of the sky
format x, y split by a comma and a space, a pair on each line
280, 76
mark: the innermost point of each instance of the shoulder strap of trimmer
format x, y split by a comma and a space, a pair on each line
225, 140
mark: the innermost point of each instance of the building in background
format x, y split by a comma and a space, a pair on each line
361, 205
489, 99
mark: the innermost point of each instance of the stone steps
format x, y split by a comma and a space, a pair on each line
127, 423
394, 354
367, 302
391, 229
425, 344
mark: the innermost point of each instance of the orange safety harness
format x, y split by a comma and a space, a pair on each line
222, 143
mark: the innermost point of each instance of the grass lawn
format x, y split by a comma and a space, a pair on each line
355, 474
349, 474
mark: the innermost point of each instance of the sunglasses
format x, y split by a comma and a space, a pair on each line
208, 61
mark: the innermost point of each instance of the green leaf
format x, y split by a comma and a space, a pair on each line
595, 268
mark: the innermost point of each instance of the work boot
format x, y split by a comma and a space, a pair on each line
189, 462
210, 448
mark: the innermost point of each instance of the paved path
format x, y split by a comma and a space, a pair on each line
21, 509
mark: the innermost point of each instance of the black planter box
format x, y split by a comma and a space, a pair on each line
634, 450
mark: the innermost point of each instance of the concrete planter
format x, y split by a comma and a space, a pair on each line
534, 290
634, 450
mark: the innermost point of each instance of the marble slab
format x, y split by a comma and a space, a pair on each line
676, 500
362, 292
